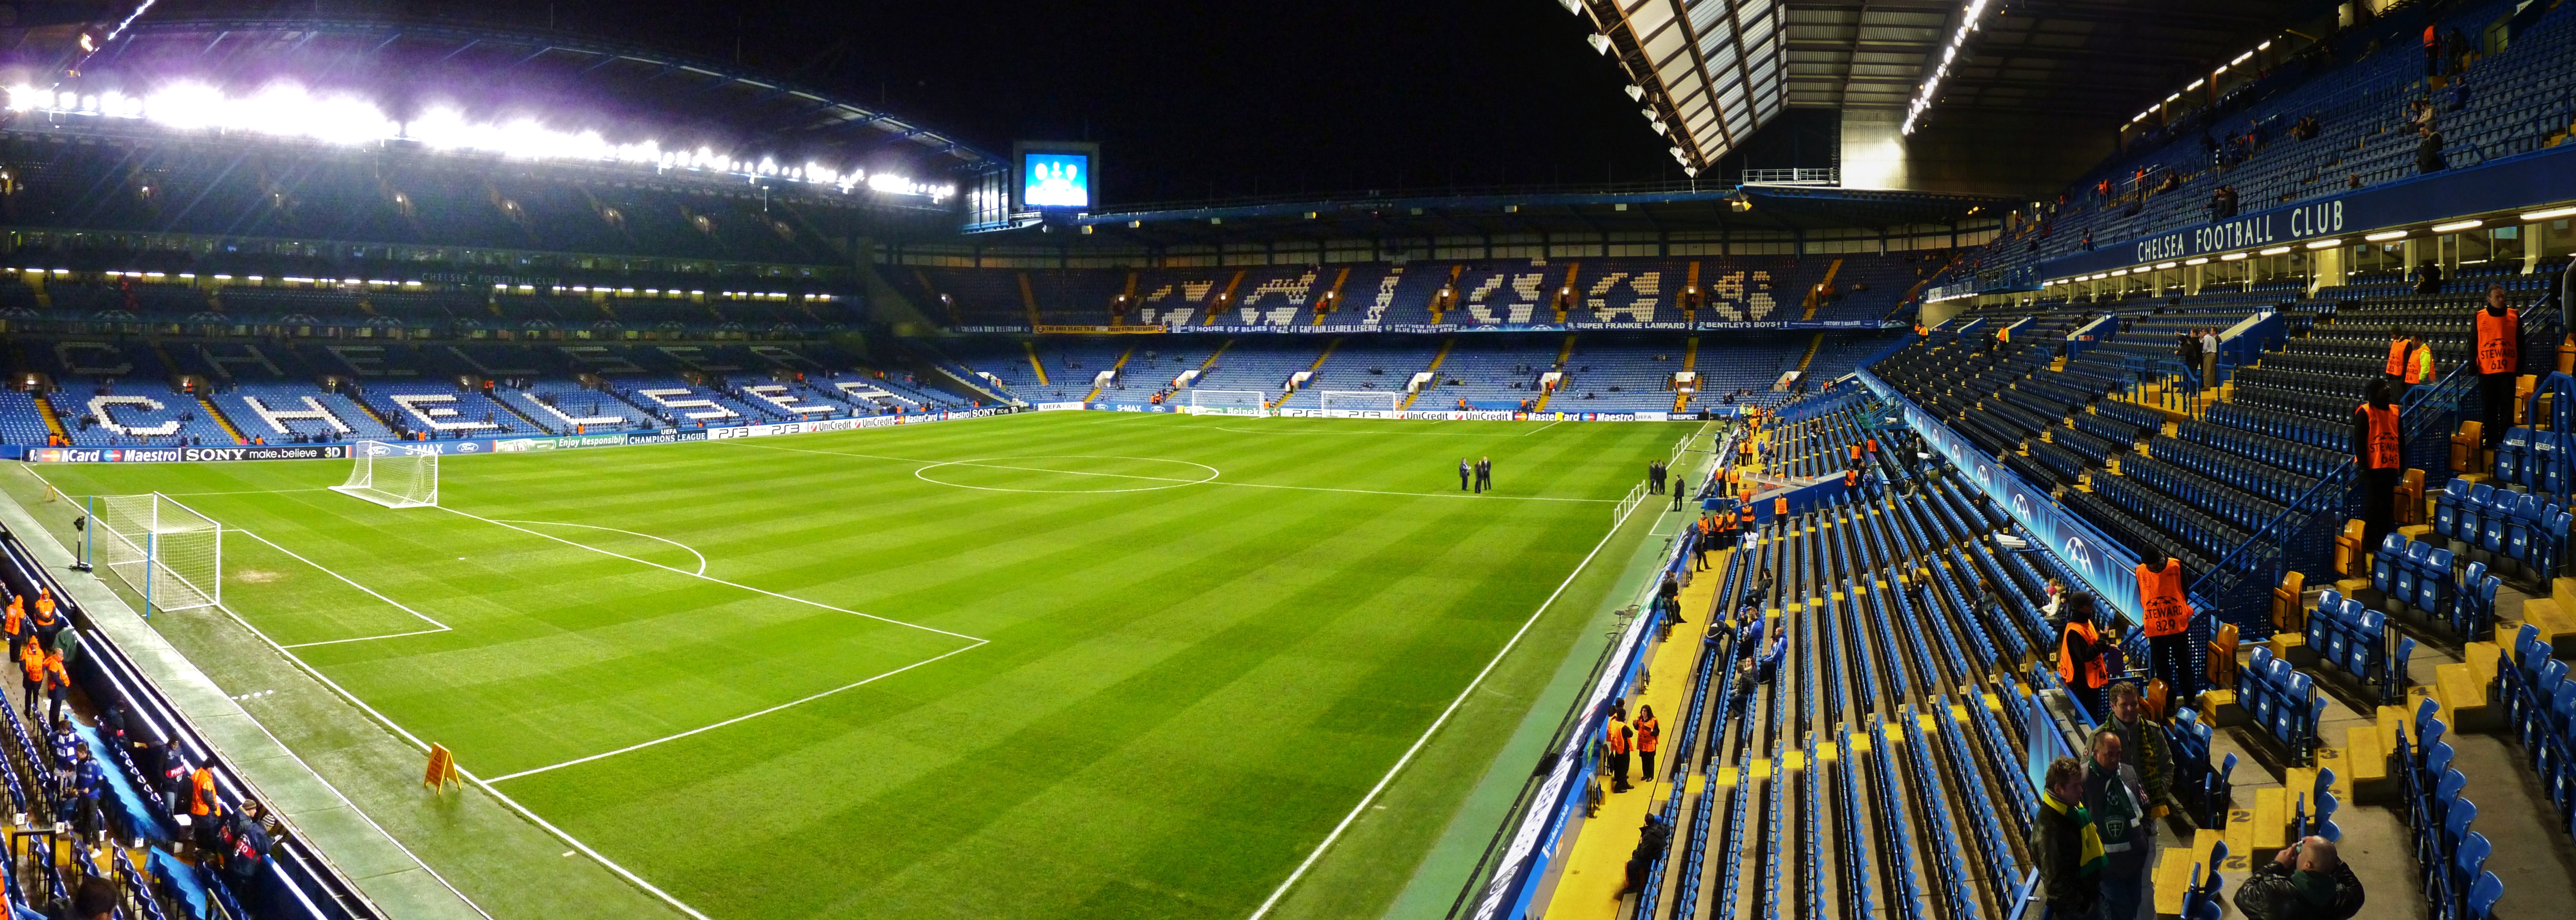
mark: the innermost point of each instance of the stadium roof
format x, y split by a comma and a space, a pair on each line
2091, 63
518, 70
1711, 72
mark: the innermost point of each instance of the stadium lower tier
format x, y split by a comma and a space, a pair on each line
1853, 702
130, 392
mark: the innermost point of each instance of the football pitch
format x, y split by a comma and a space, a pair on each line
1053, 665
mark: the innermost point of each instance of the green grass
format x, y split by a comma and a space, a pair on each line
1158, 695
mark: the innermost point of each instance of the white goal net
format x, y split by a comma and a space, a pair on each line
1229, 402
162, 549
393, 475
1360, 404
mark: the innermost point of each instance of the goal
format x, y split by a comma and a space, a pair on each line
1359, 404
393, 475
1229, 402
162, 549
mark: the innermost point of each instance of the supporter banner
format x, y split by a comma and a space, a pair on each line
2539, 177
2105, 566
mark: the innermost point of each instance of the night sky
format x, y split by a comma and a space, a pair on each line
1190, 98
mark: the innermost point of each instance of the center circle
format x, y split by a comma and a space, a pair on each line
1085, 474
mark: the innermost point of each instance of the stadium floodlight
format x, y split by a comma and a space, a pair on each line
393, 475
1229, 402
163, 550
1359, 404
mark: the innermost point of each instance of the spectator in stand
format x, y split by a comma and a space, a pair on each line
2307, 881
2379, 449
2428, 278
94, 898
2457, 97
2428, 152
2066, 844
2142, 747
2432, 49
2119, 813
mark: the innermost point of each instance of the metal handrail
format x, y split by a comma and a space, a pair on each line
2444, 393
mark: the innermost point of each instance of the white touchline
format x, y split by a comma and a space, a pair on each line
363, 816
1400, 762
748, 715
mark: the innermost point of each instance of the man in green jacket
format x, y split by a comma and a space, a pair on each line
2142, 747
2065, 843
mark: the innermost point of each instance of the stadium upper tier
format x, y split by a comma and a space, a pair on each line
1617, 290
340, 200
2340, 116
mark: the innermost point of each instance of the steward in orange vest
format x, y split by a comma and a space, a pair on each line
1851, 478
2408, 360
2160, 598
1780, 507
15, 623
2379, 449
2499, 351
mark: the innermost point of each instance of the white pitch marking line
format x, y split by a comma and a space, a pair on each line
702, 557
1542, 428
731, 584
327, 570
1213, 482
1363, 806
745, 716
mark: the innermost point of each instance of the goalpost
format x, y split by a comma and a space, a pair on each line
1360, 404
393, 475
1228, 402
162, 549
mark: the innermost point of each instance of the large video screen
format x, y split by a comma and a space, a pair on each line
1055, 180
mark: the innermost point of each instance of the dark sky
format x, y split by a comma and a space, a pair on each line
1193, 98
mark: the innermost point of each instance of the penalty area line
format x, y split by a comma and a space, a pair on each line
740, 718
1401, 762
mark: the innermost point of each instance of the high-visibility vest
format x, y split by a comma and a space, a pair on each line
1745, 513
2380, 448
1647, 733
1780, 506
1616, 737
1855, 452
2095, 672
32, 660
2404, 361
201, 797
1918, 329
17, 619
1873, 446
54, 677
2160, 595
2498, 352
1851, 478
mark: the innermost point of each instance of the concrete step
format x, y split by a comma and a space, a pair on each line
2464, 698
2175, 870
